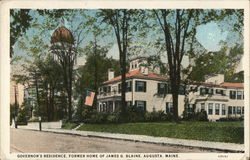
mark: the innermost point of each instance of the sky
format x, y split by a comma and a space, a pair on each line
208, 35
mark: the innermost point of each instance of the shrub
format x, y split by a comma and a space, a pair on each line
93, 119
96, 117
231, 119
188, 116
201, 116
167, 117
22, 116
134, 117
133, 114
157, 116
112, 119
198, 116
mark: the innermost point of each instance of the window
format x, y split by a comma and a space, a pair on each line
239, 94
202, 91
140, 86
190, 108
220, 91
100, 90
232, 94
169, 107
234, 110
242, 110
217, 109
104, 89
223, 109
114, 89
119, 87
162, 88
109, 89
128, 86
141, 105
230, 110
238, 110
210, 108
210, 91
202, 107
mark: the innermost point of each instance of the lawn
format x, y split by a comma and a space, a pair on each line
232, 132
69, 125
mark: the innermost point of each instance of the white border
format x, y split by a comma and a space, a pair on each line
107, 4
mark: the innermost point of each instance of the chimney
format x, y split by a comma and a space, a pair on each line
215, 78
144, 70
110, 73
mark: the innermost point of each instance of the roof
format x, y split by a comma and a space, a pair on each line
226, 84
140, 57
137, 74
62, 34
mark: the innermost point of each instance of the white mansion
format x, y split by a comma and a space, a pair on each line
149, 91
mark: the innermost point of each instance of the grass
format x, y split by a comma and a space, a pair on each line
69, 125
231, 132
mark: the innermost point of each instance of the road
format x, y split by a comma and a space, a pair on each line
28, 141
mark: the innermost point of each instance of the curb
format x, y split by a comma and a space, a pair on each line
143, 141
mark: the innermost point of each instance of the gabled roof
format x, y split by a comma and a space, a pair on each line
137, 74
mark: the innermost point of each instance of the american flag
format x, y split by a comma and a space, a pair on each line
89, 98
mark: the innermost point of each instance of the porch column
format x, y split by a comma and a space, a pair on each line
113, 106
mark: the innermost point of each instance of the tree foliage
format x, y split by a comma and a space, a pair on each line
20, 22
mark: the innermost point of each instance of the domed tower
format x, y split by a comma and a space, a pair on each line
64, 52
62, 44
62, 34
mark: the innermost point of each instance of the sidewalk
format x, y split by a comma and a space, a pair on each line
225, 147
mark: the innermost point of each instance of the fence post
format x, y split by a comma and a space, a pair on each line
15, 122
40, 123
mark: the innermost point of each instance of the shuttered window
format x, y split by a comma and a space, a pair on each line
140, 86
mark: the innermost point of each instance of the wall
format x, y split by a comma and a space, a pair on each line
154, 101
20, 93
45, 125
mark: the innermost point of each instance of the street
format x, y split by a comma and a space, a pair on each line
28, 141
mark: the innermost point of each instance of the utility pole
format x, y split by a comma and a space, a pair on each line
16, 107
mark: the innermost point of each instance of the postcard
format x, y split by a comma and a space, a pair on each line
124, 80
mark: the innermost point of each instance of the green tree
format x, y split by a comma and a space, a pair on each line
119, 20
224, 62
178, 29
19, 24
96, 62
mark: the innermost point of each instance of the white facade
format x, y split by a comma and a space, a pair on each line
217, 98
219, 101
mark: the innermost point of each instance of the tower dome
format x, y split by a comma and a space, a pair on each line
62, 34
